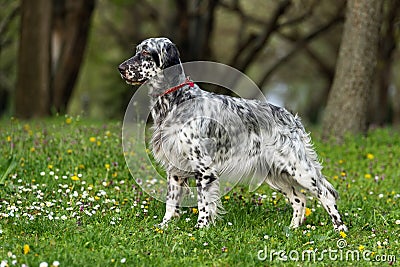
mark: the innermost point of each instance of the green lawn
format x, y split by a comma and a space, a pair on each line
67, 198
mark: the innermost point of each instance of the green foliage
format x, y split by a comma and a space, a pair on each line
71, 199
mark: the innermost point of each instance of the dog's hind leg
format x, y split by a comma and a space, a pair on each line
313, 181
177, 187
296, 198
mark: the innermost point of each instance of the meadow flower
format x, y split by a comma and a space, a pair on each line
308, 212
123, 260
342, 234
370, 156
397, 222
224, 249
367, 176
26, 249
55, 264
43, 264
92, 139
68, 120
75, 178
361, 247
194, 210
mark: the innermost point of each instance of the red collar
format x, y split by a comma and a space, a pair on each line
173, 89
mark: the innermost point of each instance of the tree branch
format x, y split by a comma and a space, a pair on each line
255, 47
298, 46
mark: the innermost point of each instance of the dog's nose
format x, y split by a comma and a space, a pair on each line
122, 67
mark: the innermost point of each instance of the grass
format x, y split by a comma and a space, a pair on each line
68, 199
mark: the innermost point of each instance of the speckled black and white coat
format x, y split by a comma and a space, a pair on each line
208, 136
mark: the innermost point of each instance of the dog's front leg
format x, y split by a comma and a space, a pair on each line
175, 193
208, 197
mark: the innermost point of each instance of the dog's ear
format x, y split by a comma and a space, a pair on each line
170, 56
156, 58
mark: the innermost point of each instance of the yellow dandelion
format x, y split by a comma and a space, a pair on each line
75, 178
92, 139
343, 234
108, 133
32, 149
367, 176
50, 166
343, 174
195, 211
361, 247
26, 249
227, 197
68, 120
69, 151
98, 143
341, 161
96, 198
158, 230
370, 156
192, 238
81, 166
308, 212
107, 166
9, 139
115, 174
335, 177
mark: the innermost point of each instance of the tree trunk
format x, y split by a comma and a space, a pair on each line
347, 107
71, 27
33, 82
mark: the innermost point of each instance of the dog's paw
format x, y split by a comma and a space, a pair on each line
201, 224
341, 228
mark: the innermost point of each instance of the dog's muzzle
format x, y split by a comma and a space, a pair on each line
129, 72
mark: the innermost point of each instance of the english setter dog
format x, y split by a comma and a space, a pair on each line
218, 135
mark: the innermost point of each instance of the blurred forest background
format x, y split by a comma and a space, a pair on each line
61, 56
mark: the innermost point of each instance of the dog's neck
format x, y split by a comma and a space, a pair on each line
166, 79
160, 102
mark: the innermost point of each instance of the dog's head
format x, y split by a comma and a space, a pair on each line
152, 56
